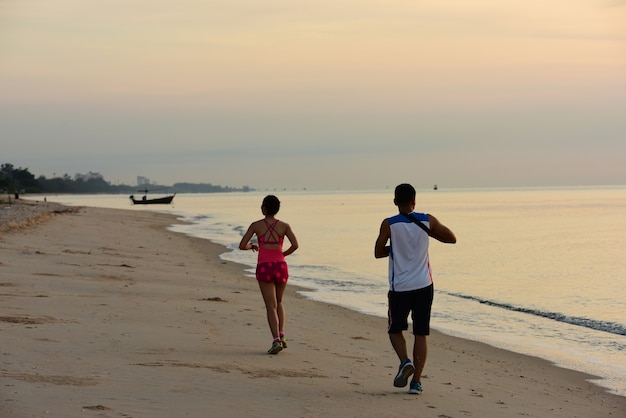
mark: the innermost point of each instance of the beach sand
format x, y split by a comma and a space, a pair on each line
105, 313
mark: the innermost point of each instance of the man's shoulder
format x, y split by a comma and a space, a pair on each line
396, 218
421, 216
400, 218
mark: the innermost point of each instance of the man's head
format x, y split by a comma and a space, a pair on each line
404, 195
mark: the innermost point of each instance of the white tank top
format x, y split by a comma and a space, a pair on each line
409, 264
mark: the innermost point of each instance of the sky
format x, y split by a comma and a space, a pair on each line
325, 94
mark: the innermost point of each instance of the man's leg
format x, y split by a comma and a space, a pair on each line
406, 366
399, 345
420, 351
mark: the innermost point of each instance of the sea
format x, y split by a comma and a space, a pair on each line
539, 271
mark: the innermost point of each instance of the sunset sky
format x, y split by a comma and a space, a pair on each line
319, 94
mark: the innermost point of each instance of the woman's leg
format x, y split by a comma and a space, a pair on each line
269, 292
280, 310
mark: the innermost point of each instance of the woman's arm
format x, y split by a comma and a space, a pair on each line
292, 239
244, 244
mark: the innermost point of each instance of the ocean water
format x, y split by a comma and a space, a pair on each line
536, 271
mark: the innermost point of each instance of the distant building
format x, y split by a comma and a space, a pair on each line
88, 176
142, 181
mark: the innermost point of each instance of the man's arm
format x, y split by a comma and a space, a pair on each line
440, 232
381, 249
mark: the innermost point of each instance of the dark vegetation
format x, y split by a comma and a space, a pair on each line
21, 180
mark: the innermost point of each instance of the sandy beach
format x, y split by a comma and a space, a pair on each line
105, 313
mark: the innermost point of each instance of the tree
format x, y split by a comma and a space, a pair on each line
18, 180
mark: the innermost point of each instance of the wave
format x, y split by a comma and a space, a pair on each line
605, 326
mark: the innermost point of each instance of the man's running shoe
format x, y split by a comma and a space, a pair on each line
415, 388
405, 371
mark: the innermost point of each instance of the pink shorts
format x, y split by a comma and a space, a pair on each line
272, 272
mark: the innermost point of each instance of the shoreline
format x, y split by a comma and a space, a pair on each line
149, 322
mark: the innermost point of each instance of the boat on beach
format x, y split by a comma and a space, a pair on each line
165, 200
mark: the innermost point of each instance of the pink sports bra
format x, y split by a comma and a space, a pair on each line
271, 237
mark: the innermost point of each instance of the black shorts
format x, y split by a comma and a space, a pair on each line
418, 303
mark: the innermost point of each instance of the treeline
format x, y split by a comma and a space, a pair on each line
68, 185
205, 188
16, 180
21, 180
